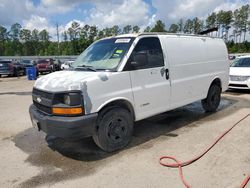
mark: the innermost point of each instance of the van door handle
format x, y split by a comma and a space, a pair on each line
167, 73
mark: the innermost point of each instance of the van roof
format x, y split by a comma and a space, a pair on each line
159, 33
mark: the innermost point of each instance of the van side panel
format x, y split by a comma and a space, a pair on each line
107, 88
194, 63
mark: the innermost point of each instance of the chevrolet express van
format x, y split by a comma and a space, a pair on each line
119, 80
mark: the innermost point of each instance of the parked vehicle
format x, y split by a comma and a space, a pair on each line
57, 64
117, 81
11, 68
29, 63
231, 57
45, 65
26, 63
66, 64
240, 73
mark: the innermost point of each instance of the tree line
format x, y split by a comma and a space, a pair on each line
233, 27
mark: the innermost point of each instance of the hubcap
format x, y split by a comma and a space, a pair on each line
116, 130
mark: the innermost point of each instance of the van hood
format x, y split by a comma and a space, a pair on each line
239, 71
65, 80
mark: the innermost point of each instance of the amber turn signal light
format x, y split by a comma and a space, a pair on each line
67, 111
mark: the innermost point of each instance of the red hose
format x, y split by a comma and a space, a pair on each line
179, 164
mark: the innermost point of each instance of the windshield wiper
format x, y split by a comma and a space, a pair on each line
87, 67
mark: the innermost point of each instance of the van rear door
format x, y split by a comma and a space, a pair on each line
149, 78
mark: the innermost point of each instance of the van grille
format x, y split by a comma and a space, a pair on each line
43, 94
42, 100
43, 108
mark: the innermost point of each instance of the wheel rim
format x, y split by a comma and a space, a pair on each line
116, 130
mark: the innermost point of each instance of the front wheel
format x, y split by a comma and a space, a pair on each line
114, 129
211, 103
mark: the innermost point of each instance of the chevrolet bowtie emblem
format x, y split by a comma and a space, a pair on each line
38, 99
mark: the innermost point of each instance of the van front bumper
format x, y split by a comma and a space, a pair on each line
63, 127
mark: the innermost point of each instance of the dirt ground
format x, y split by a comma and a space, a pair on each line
27, 160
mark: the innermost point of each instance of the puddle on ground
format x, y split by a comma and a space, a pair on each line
16, 93
56, 167
63, 160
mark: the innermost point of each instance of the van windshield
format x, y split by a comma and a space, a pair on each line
105, 54
241, 62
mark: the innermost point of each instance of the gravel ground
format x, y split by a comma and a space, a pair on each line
27, 160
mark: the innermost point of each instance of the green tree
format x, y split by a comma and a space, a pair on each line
74, 31
173, 28
25, 37
158, 27
244, 15
115, 30
92, 34
188, 26
147, 29
35, 41
127, 29
197, 25
180, 26
44, 42
211, 21
136, 29
15, 31
3, 38
237, 25
65, 36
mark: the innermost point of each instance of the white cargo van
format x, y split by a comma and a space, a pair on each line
119, 80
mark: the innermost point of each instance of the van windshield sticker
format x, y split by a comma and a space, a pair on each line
125, 40
118, 51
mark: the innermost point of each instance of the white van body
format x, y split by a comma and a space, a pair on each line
192, 68
193, 63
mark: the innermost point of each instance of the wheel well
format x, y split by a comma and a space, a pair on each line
217, 82
120, 103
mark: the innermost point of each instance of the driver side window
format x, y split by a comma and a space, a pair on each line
147, 54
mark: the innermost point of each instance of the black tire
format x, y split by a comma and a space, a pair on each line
115, 129
211, 103
16, 73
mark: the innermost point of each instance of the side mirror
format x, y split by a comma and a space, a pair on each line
139, 59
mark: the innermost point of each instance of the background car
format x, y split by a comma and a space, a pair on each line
66, 64
29, 63
239, 75
45, 65
57, 64
11, 68
231, 57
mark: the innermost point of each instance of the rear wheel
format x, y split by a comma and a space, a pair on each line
211, 103
115, 129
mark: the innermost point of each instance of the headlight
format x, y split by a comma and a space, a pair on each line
66, 99
70, 99
68, 104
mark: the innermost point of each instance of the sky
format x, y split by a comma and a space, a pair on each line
45, 14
